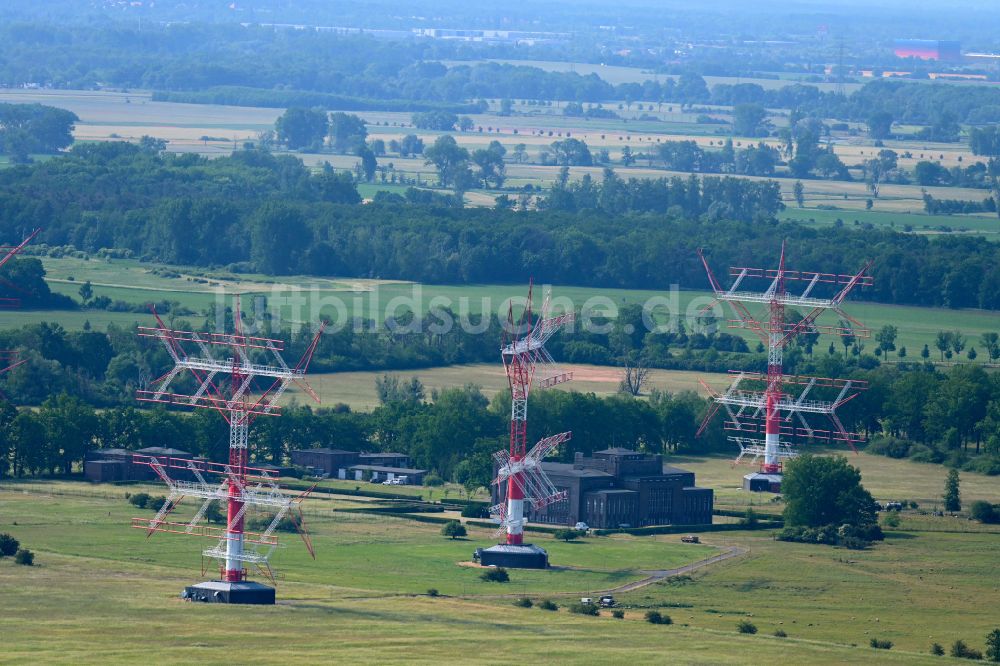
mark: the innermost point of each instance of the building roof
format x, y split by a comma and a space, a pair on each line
161, 451
618, 451
384, 455
394, 470
614, 491
668, 469
568, 469
324, 450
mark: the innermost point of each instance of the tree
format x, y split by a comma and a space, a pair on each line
984, 512
301, 128
879, 125
465, 124
822, 491
750, 120
441, 121
798, 191
886, 339
991, 343
878, 169
24, 557
411, 144
279, 237
86, 292
925, 353
952, 493
628, 159
847, 337
453, 529
634, 376
520, 153
572, 152
943, 342
993, 645
8, 545
34, 128
368, 162
957, 342
450, 160
491, 164
347, 132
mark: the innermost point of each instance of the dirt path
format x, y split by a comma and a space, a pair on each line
658, 575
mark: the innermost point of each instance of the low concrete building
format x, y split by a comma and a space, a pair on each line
620, 487
354, 466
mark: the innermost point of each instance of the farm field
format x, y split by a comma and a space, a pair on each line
357, 389
137, 283
214, 130
370, 575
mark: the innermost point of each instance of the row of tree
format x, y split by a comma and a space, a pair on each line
454, 432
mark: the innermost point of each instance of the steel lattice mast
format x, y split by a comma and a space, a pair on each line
773, 407
527, 362
241, 486
9, 357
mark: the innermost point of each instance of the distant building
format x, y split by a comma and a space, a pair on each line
354, 466
928, 49
110, 465
618, 487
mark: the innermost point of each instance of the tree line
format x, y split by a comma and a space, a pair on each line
257, 211
928, 415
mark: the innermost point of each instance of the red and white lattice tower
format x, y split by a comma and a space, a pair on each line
242, 359
9, 357
773, 411
527, 362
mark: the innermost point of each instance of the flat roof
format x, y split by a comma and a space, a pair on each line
384, 455
394, 470
568, 469
613, 491
323, 450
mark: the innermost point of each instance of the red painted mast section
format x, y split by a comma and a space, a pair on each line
775, 373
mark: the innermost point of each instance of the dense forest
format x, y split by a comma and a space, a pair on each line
254, 210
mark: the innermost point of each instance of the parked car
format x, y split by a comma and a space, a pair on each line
582, 527
690, 538
586, 600
607, 601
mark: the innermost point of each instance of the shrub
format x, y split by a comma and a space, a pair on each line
983, 512
780, 633
25, 557
498, 575
584, 609
879, 644
656, 617
548, 605
746, 627
8, 545
139, 499
618, 614
432, 479
936, 649
453, 529
523, 602
891, 519
156, 503
962, 651
474, 511
432, 592
566, 535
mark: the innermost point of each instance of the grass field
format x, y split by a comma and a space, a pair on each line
101, 591
357, 389
886, 478
136, 283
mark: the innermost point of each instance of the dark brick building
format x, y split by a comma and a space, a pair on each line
340, 464
618, 487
